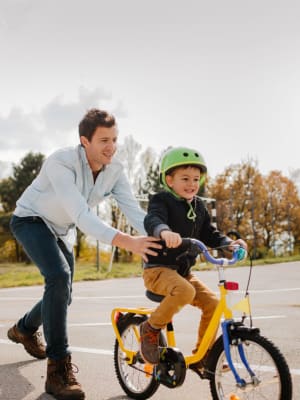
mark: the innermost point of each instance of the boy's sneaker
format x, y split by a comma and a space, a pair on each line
149, 343
32, 343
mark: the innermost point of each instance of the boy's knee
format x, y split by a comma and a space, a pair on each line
185, 294
212, 304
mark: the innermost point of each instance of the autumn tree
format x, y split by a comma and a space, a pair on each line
237, 200
263, 209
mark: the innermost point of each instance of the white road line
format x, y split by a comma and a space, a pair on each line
73, 348
23, 298
269, 317
89, 324
274, 290
92, 351
104, 352
15, 298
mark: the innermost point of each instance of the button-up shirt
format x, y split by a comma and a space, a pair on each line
64, 194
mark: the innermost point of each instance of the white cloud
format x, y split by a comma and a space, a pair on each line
52, 126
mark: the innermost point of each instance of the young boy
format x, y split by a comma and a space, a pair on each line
173, 214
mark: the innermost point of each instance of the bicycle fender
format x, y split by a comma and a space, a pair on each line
237, 330
125, 317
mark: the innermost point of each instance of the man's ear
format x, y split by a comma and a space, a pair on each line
84, 141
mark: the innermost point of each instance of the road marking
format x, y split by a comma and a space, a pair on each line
268, 317
274, 290
90, 324
89, 350
15, 298
23, 298
92, 351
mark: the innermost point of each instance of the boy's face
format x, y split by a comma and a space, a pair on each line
101, 148
185, 182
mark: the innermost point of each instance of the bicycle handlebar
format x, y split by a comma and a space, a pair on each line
239, 253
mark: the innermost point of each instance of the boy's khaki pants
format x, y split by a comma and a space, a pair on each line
178, 292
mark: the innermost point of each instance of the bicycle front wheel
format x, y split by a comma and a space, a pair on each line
136, 379
272, 376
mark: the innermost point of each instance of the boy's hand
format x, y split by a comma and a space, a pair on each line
243, 244
172, 239
240, 242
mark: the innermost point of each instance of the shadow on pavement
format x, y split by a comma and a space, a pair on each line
123, 397
13, 385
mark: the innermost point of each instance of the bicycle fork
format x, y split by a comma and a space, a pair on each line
226, 325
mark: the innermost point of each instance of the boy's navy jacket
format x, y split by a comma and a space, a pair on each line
165, 211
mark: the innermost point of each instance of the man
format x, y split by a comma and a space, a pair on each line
70, 183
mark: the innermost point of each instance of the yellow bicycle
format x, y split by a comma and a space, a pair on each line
257, 369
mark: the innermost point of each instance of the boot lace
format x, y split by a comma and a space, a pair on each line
37, 339
70, 370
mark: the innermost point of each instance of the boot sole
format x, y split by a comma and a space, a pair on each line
63, 397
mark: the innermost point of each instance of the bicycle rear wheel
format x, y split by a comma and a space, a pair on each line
266, 361
137, 379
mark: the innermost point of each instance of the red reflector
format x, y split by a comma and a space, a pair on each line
231, 285
117, 316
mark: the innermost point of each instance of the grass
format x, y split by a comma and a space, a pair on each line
17, 274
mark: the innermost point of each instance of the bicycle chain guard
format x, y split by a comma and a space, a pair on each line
172, 369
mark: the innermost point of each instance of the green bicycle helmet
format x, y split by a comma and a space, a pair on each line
180, 156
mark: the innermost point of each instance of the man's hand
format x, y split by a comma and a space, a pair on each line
172, 239
141, 245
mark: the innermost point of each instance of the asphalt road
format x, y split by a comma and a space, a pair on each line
275, 299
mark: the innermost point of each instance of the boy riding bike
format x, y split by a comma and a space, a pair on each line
175, 213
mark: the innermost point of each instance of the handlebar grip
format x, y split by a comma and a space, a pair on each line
241, 253
186, 242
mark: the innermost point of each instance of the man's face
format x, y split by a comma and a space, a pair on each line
101, 148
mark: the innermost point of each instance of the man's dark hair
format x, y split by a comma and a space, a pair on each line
92, 119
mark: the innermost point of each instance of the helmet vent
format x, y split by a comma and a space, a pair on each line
185, 154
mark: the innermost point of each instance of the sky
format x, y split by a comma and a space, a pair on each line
221, 76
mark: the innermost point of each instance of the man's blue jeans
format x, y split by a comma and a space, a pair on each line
56, 264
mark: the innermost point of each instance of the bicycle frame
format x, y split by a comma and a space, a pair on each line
257, 366
222, 310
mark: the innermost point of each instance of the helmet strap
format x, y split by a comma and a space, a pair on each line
191, 213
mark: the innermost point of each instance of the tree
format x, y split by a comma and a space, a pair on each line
12, 188
129, 153
265, 210
23, 174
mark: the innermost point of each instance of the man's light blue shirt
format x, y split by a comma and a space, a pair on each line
64, 194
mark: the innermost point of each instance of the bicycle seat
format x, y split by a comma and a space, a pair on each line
154, 296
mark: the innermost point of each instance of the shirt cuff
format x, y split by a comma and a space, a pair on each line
159, 228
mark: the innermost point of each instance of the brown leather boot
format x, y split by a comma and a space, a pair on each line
32, 343
61, 382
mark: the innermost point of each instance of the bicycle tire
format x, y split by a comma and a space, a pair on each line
266, 361
134, 379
